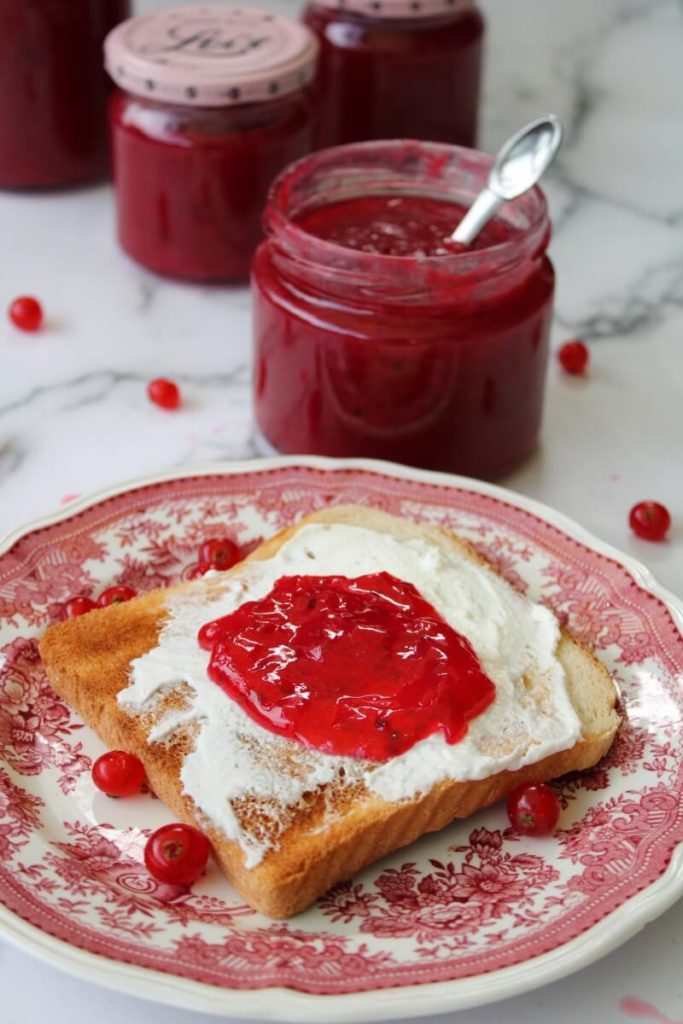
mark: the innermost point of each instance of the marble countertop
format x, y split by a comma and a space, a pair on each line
74, 415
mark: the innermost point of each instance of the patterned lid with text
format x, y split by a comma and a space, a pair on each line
398, 8
211, 55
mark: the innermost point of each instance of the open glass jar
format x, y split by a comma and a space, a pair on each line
397, 69
435, 357
212, 105
53, 91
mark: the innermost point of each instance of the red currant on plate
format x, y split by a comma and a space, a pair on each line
163, 392
533, 809
26, 313
117, 773
574, 356
115, 595
78, 606
650, 520
176, 854
220, 553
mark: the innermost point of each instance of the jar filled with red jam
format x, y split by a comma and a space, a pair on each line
377, 336
53, 91
395, 69
212, 104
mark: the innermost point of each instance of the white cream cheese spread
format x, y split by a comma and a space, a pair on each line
514, 639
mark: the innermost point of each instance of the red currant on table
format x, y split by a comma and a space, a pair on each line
220, 553
163, 392
117, 773
26, 313
176, 854
78, 606
650, 520
533, 809
574, 356
115, 595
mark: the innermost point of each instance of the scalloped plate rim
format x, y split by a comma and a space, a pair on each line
382, 1004
566, 523
386, 1003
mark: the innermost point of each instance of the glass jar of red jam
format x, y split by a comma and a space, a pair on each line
212, 105
397, 69
376, 336
53, 91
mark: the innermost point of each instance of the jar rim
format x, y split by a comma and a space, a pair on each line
398, 10
529, 213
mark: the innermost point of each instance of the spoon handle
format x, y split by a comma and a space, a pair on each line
480, 212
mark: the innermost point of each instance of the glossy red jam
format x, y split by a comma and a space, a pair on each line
375, 336
359, 667
53, 90
191, 182
393, 78
412, 226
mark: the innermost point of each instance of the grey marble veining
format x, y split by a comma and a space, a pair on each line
616, 78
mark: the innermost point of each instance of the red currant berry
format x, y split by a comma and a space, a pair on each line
115, 595
206, 636
574, 356
164, 392
219, 553
78, 606
533, 809
176, 854
650, 520
26, 313
117, 773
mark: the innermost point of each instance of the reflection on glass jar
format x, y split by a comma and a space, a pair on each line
53, 90
375, 336
397, 69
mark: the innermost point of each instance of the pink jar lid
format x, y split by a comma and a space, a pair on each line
397, 8
210, 55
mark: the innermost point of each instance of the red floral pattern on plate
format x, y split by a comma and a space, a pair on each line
34, 722
461, 904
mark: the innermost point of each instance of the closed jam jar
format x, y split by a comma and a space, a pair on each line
376, 336
394, 69
53, 91
212, 104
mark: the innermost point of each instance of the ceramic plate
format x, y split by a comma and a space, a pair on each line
463, 917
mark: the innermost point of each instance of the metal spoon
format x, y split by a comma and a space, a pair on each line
521, 162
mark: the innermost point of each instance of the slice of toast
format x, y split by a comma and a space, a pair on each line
342, 825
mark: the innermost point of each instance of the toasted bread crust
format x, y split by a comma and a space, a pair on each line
88, 671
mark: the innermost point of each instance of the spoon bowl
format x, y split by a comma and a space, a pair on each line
520, 164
